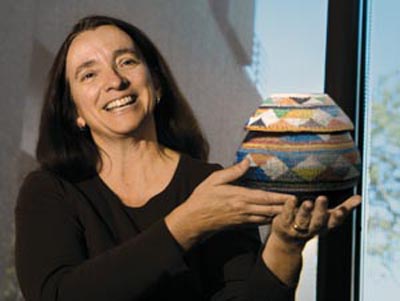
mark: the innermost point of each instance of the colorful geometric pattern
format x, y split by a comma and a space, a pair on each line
299, 113
291, 160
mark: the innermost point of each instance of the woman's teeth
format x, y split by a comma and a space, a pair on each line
127, 100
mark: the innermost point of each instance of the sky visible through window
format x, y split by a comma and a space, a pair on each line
289, 46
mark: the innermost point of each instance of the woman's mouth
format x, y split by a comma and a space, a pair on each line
120, 102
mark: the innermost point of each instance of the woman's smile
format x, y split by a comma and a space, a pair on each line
120, 103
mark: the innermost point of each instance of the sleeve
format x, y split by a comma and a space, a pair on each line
235, 270
51, 257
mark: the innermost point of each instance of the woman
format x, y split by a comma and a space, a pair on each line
124, 207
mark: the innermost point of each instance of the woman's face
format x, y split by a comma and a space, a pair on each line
110, 84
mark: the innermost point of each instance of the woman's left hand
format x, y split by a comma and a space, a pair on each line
294, 227
297, 225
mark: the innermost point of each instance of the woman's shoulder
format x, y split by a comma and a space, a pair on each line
42, 189
198, 165
191, 171
39, 179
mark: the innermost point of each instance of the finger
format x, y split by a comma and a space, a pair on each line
260, 219
268, 211
352, 202
289, 211
337, 217
229, 174
303, 216
275, 197
262, 197
339, 213
320, 215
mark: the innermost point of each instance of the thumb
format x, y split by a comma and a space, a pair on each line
231, 173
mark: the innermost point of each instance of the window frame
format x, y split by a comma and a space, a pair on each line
339, 253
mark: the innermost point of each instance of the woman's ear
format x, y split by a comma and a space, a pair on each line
80, 122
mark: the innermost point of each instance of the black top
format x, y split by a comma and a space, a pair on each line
77, 241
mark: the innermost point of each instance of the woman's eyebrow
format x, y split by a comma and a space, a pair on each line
121, 51
82, 66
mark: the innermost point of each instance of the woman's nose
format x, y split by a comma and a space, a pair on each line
116, 81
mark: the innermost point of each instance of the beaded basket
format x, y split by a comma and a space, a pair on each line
300, 143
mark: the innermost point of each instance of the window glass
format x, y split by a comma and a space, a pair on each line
381, 240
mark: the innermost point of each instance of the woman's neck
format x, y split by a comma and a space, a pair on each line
120, 153
137, 169
119, 160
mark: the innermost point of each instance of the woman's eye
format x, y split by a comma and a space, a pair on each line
88, 76
128, 62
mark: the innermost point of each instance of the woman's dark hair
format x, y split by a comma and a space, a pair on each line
65, 149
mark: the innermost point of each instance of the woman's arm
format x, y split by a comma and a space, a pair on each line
294, 227
244, 270
232, 257
233, 268
216, 204
51, 255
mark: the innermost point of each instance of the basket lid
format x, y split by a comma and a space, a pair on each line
306, 112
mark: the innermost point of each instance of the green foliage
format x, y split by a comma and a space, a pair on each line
384, 170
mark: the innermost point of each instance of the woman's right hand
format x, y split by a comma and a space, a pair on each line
216, 204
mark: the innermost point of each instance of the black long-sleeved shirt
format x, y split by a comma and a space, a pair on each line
77, 241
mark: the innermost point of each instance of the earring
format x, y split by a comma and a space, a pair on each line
83, 128
158, 98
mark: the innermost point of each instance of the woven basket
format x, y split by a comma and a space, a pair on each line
300, 143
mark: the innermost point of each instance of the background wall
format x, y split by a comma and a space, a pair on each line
15, 56
205, 42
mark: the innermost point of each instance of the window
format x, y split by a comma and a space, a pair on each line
380, 273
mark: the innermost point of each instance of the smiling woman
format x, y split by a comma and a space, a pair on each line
58, 149
124, 206
110, 85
